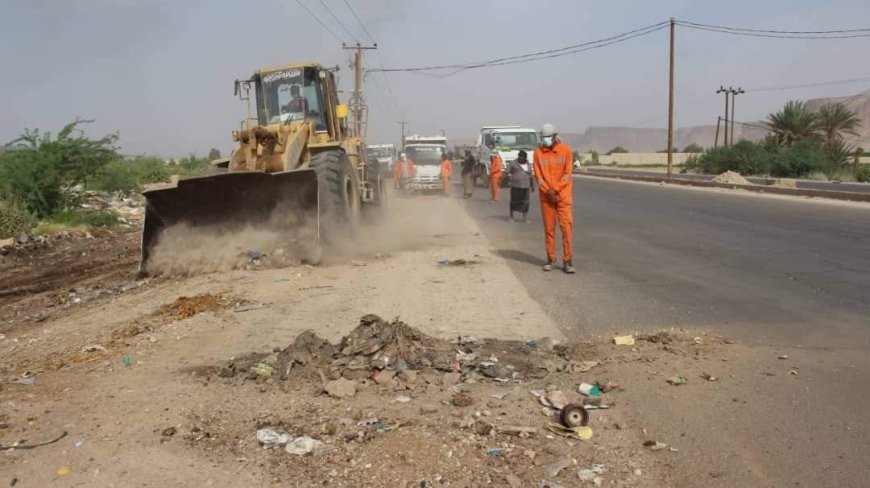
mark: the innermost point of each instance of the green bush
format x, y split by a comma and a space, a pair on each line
862, 174
15, 219
73, 218
798, 161
745, 157
128, 176
693, 148
617, 150
46, 173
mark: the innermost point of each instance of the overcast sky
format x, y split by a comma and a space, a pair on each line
160, 72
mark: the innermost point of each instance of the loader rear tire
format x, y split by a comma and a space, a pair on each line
338, 187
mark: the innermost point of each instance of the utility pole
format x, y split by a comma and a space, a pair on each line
718, 123
403, 123
671, 106
726, 91
734, 94
357, 85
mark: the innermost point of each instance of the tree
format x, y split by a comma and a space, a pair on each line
793, 123
46, 174
693, 148
214, 154
617, 150
834, 120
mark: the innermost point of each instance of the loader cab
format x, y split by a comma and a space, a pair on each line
290, 93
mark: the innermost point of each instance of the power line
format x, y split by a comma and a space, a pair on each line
340, 23
808, 85
770, 31
776, 34
352, 11
318, 20
563, 51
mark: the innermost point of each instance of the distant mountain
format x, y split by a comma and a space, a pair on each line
638, 139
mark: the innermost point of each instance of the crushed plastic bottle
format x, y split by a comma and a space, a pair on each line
554, 469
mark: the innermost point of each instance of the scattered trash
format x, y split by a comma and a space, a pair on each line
532, 343
586, 475
169, 431
262, 369
247, 307
403, 399
583, 433
271, 438
589, 390
555, 399
709, 377
302, 445
80, 443
254, 256
626, 340
554, 469
678, 380
655, 445
25, 379
340, 388
783, 356
517, 430
673, 449
457, 262
499, 396
64, 470
793, 372
358, 264
127, 361
583, 366
94, 348
574, 415
33, 446
495, 453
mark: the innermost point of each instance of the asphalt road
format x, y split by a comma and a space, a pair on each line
779, 274
801, 184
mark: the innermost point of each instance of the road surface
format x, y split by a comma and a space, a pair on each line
801, 184
783, 275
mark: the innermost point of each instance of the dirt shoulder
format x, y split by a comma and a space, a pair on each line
137, 379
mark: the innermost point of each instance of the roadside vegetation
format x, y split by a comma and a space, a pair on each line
49, 177
801, 144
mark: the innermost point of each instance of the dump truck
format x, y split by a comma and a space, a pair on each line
507, 141
297, 165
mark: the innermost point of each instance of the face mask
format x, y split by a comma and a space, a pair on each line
548, 141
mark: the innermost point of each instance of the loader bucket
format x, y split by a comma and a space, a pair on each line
230, 202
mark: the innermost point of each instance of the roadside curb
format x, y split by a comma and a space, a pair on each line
834, 195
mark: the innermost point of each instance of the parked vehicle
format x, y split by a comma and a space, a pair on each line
507, 141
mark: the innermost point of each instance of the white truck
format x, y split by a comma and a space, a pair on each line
426, 157
507, 140
384, 155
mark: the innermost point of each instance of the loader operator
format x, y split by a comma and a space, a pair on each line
495, 167
298, 105
553, 170
446, 172
403, 172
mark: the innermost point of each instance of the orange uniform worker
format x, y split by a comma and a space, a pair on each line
446, 173
554, 167
495, 167
403, 171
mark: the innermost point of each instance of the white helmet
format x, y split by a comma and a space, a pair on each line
402, 155
548, 130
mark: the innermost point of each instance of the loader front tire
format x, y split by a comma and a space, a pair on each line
338, 187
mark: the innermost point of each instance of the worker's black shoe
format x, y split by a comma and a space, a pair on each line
569, 267
548, 266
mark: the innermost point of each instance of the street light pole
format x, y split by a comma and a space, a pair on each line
734, 94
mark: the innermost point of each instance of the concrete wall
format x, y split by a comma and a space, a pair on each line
635, 158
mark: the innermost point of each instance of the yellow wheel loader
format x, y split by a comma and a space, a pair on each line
299, 167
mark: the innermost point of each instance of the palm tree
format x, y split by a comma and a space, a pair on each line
834, 120
793, 123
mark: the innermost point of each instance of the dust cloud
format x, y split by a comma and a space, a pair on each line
407, 223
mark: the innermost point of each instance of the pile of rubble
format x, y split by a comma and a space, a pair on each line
384, 351
731, 178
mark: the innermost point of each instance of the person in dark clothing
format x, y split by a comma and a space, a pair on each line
468, 165
522, 178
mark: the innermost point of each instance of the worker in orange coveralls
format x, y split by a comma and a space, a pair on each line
495, 166
403, 172
446, 173
554, 166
